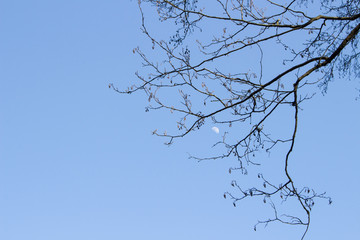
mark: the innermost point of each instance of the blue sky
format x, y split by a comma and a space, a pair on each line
78, 161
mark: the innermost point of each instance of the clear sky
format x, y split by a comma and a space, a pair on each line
78, 161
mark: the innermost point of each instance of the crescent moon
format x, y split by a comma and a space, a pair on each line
215, 129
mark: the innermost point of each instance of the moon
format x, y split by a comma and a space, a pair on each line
215, 129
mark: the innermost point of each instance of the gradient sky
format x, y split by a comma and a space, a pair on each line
78, 161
